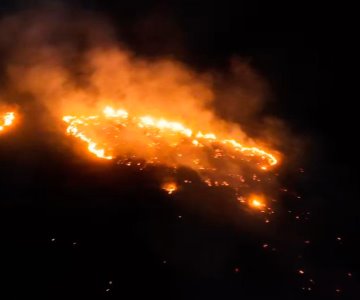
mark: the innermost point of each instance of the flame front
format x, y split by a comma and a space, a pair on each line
72, 129
151, 140
160, 131
6, 120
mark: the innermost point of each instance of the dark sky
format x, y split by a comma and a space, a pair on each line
114, 224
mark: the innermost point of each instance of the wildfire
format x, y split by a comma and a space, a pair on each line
170, 187
159, 129
72, 129
257, 202
6, 120
144, 140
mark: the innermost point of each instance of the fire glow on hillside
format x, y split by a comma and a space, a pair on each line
6, 120
148, 140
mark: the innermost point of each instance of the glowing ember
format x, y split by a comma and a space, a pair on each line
170, 187
6, 120
257, 202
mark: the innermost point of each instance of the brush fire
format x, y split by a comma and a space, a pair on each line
123, 108
6, 120
115, 134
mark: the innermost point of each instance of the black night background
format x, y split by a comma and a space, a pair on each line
76, 228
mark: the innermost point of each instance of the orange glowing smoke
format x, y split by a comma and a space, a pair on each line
6, 120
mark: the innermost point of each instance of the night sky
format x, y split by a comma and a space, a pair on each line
75, 228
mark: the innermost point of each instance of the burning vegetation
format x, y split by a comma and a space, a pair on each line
6, 120
134, 110
146, 140
158, 135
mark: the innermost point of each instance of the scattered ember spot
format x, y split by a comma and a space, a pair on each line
241, 199
170, 187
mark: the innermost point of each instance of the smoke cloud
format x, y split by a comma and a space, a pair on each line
64, 62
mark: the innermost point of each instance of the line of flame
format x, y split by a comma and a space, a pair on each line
161, 124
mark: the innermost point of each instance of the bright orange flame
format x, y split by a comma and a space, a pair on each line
158, 128
92, 145
170, 187
148, 140
6, 120
257, 202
